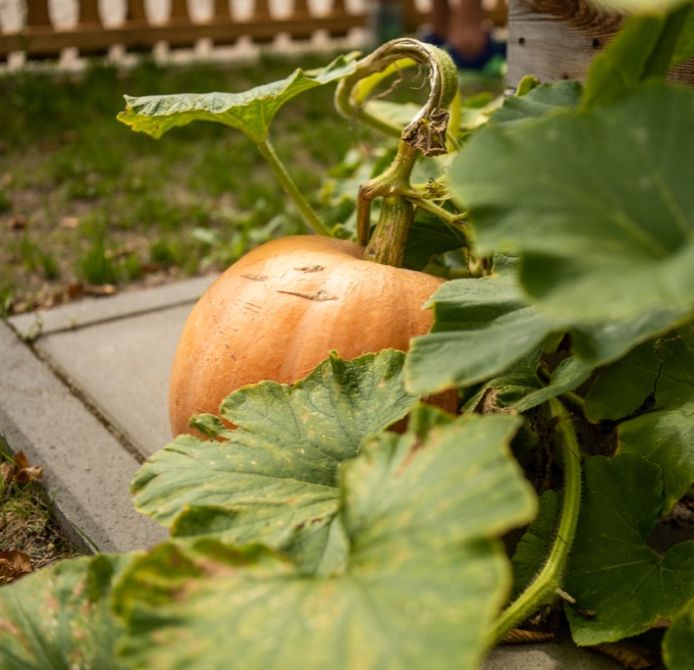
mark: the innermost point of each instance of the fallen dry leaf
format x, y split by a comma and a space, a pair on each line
18, 222
100, 289
13, 564
23, 471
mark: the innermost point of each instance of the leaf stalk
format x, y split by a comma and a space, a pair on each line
291, 189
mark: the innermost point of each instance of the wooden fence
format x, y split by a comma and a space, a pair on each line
39, 38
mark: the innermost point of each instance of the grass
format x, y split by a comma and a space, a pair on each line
27, 524
84, 200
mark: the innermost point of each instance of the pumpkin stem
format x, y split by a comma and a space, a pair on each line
387, 244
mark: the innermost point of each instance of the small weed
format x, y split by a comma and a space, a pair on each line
5, 201
95, 267
36, 259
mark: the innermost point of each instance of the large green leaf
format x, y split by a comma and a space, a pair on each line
621, 585
600, 206
251, 111
666, 436
59, 618
421, 588
278, 470
678, 644
481, 326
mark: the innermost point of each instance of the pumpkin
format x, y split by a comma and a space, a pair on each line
279, 311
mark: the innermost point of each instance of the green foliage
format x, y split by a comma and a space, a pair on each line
679, 640
60, 618
621, 585
420, 585
309, 534
275, 477
599, 204
481, 327
665, 436
251, 111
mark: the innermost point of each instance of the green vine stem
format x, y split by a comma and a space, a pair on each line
291, 189
547, 584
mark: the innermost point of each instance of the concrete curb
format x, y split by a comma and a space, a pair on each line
90, 311
86, 470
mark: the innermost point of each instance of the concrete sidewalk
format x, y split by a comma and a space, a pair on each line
83, 392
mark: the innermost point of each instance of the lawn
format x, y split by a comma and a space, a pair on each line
88, 206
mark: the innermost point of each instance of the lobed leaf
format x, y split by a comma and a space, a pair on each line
622, 587
251, 112
665, 436
278, 471
481, 326
599, 207
422, 583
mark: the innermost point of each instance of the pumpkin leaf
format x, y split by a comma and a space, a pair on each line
567, 376
539, 101
665, 436
60, 617
430, 236
613, 573
678, 644
600, 208
251, 112
278, 470
620, 389
481, 327
421, 588
608, 340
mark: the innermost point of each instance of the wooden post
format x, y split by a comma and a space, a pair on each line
179, 11
557, 39
136, 11
89, 13
221, 11
37, 14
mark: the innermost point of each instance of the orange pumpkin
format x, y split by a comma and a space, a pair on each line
278, 312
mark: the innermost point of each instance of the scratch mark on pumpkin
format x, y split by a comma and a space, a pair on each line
317, 295
310, 268
255, 277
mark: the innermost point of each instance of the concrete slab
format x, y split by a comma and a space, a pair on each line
99, 310
123, 367
552, 656
86, 470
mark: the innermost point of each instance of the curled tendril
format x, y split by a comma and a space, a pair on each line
426, 132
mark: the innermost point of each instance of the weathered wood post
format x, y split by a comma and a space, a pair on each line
557, 39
